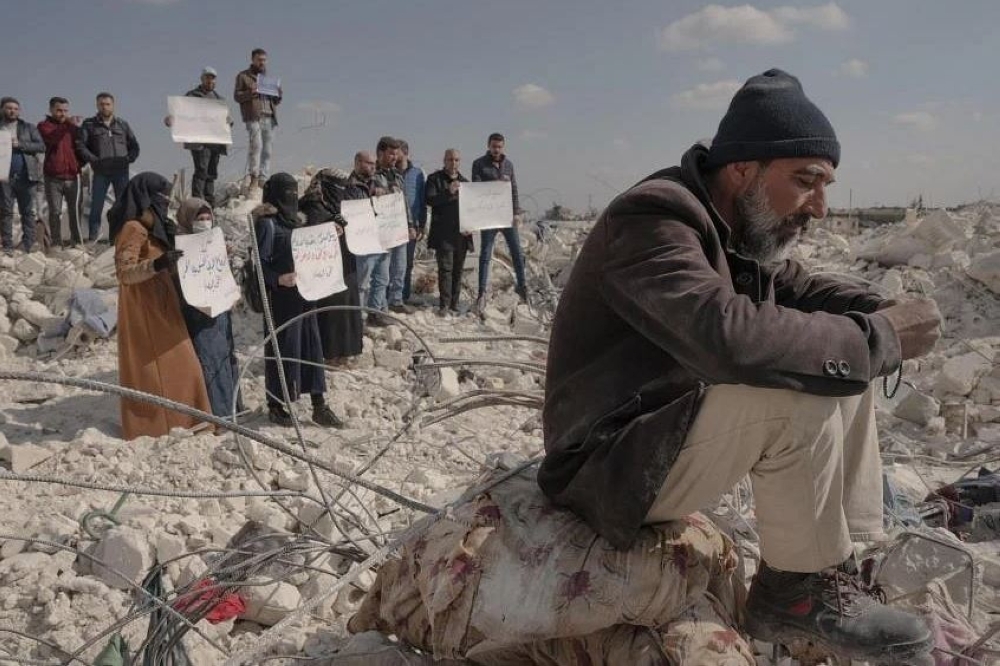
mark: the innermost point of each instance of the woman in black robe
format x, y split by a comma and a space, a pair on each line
340, 330
274, 222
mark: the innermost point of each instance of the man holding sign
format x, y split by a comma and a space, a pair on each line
493, 166
206, 155
258, 100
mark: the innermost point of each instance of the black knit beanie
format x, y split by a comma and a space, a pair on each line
771, 117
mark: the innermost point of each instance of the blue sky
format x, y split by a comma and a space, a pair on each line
591, 95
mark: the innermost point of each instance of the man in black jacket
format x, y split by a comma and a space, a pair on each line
205, 155
21, 183
449, 243
107, 144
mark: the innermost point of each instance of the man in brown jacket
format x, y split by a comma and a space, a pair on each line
687, 353
258, 109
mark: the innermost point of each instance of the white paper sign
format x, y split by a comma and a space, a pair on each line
268, 85
319, 268
485, 205
6, 152
206, 280
198, 120
390, 216
361, 229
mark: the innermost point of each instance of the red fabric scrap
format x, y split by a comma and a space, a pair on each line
227, 606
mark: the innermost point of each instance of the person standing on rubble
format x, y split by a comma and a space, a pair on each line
341, 331
155, 353
274, 221
389, 268
687, 352
204, 155
414, 183
21, 185
450, 245
212, 337
107, 144
59, 131
495, 165
259, 113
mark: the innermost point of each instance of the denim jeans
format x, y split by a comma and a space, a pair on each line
411, 249
98, 193
373, 278
397, 273
21, 191
259, 150
488, 239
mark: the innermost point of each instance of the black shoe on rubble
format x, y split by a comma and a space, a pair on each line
834, 611
278, 415
522, 292
324, 416
376, 320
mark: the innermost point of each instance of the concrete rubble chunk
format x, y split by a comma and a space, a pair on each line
985, 268
125, 550
392, 360
918, 407
24, 331
449, 387
168, 547
34, 312
291, 479
960, 374
269, 604
22, 457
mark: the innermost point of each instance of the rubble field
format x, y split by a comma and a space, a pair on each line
430, 404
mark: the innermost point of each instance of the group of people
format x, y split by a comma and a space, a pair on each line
106, 143
687, 351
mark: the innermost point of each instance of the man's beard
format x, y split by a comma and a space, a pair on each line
759, 232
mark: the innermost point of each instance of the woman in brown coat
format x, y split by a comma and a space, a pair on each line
155, 354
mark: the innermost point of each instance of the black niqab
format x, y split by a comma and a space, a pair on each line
147, 190
282, 191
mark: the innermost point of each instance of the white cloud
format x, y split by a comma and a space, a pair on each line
825, 17
748, 25
710, 65
853, 68
533, 96
706, 95
919, 120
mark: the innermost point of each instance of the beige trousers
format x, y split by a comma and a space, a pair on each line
813, 462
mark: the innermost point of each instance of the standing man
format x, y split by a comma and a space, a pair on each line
25, 173
494, 165
361, 185
386, 288
414, 182
449, 243
258, 111
688, 352
205, 155
59, 131
107, 144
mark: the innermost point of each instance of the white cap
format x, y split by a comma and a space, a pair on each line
209, 72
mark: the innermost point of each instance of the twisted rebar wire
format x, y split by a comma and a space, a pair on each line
140, 396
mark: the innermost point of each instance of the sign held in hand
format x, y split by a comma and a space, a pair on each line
319, 268
269, 86
199, 120
361, 229
486, 205
6, 153
390, 216
203, 269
